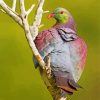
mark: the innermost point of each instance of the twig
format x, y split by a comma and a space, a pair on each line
2, 10
10, 12
41, 26
31, 8
38, 17
14, 5
44, 12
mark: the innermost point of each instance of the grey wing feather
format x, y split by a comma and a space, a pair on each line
67, 34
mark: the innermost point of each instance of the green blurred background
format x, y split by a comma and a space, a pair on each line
18, 78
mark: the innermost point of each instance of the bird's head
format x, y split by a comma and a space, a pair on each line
60, 14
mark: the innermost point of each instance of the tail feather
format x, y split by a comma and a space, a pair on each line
66, 88
66, 82
73, 84
70, 87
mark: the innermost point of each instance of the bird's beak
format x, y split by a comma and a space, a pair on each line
51, 15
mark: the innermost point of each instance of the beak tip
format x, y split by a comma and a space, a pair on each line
50, 16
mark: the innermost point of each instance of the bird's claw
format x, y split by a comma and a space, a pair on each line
48, 71
48, 68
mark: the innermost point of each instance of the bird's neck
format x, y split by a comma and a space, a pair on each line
59, 25
69, 24
63, 21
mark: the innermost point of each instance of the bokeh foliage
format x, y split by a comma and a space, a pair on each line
18, 78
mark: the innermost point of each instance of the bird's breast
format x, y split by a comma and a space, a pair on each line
60, 57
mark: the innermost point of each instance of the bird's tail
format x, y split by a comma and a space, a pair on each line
66, 83
71, 87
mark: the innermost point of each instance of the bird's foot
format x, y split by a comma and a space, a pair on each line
48, 68
48, 71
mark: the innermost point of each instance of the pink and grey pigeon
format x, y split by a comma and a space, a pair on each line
66, 50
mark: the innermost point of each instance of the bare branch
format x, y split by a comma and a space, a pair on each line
31, 8
14, 5
11, 13
38, 17
23, 21
22, 7
28, 34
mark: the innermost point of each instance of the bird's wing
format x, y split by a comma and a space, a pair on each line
67, 34
78, 52
45, 42
67, 80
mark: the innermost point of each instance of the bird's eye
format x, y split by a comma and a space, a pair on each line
61, 12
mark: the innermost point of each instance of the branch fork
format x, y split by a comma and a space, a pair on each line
22, 19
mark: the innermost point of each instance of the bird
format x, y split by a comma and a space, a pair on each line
66, 50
